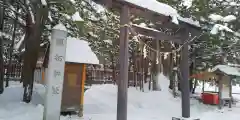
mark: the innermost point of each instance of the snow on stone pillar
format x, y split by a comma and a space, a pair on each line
55, 73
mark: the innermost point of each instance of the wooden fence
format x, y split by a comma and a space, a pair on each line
94, 76
14, 71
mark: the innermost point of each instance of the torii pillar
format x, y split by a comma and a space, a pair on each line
184, 79
123, 76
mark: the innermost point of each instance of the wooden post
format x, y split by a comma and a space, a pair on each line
55, 75
220, 87
203, 84
82, 90
184, 67
230, 92
220, 83
123, 76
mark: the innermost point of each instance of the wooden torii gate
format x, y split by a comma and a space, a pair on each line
125, 7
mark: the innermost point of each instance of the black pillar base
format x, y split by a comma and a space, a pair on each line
175, 118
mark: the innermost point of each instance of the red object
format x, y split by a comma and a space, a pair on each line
210, 98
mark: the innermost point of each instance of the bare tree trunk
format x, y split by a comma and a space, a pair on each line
153, 71
195, 80
171, 76
178, 72
129, 72
2, 11
146, 66
220, 81
138, 74
156, 68
134, 70
142, 66
113, 70
32, 46
150, 77
30, 56
191, 79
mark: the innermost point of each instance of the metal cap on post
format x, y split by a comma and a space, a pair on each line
55, 73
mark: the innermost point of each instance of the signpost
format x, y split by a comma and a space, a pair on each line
55, 73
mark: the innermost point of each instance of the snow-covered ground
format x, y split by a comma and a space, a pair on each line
100, 104
11, 107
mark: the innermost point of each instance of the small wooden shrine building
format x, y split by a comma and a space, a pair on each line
78, 55
222, 75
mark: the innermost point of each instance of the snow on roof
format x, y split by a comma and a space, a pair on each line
163, 9
60, 26
233, 65
76, 17
190, 21
156, 6
145, 27
79, 51
227, 70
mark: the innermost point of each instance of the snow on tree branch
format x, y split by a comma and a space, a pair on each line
218, 27
30, 11
44, 2
216, 17
76, 17
187, 3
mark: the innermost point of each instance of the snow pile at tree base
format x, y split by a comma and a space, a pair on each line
12, 107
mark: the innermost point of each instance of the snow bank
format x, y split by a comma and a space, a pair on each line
12, 107
101, 100
100, 104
